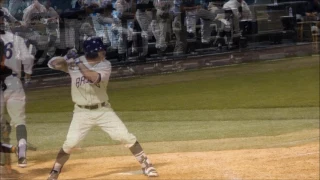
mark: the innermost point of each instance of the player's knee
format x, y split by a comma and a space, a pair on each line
67, 147
18, 122
125, 138
70, 144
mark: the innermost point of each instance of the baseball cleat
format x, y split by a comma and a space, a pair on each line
150, 171
22, 162
53, 175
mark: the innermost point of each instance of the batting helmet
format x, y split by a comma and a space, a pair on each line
92, 45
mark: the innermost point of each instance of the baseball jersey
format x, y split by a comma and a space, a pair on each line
17, 53
235, 4
84, 92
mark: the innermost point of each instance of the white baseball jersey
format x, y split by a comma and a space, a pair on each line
17, 53
235, 4
83, 91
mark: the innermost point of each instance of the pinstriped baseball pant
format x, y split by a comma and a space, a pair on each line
104, 117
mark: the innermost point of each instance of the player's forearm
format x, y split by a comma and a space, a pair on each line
92, 76
58, 63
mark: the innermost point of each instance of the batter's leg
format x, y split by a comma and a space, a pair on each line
15, 101
112, 124
78, 129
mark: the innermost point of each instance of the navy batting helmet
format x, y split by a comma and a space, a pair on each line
92, 45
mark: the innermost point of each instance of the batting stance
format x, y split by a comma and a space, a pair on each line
16, 54
89, 77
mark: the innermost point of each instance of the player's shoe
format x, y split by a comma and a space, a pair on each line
22, 162
150, 171
53, 175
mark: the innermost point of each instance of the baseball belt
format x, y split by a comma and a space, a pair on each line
96, 106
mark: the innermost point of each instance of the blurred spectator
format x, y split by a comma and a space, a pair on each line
52, 28
178, 28
16, 7
241, 11
35, 32
86, 21
313, 10
108, 18
76, 4
120, 25
189, 7
159, 25
9, 19
144, 19
116, 25
33, 13
194, 11
69, 24
61, 5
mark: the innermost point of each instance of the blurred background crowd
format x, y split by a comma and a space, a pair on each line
142, 28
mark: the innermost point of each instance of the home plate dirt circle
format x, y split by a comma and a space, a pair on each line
298, 162
130, 173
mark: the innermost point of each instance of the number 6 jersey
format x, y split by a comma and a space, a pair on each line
16, 53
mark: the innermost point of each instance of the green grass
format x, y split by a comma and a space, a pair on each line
258, 85
249, 100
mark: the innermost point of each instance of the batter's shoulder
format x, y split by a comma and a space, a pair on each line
106, 63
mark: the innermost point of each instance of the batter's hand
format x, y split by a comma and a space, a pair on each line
71, 54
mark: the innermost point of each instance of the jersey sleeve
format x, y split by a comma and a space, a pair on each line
50, 61
104, 69
64, 69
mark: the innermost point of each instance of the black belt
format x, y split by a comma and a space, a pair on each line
14, 74
96, 106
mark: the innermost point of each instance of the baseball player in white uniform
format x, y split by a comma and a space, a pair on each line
5, 128
89, 79
16, 54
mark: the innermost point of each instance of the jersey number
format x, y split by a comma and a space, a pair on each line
8, 50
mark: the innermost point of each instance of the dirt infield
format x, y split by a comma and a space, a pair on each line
298, 162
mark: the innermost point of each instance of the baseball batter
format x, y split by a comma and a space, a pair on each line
89, 79
16, 54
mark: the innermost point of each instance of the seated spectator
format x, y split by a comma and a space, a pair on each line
240, 11
313, 10
33, 13
159, 25
143, 21
16, 7
35, 28
193, 12
9, 19
52, 22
